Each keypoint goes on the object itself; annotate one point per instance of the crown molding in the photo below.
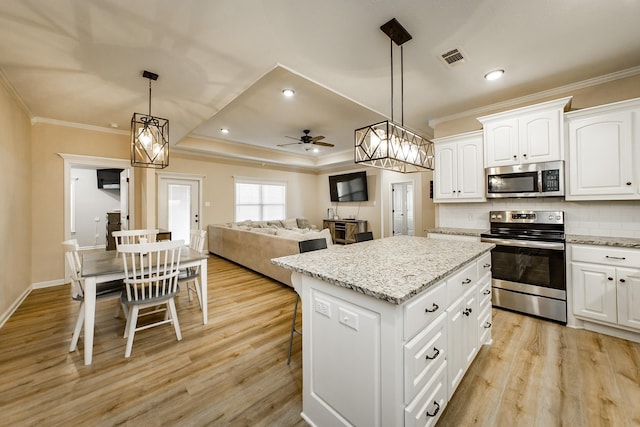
(56, 122)
(4, 81)
(629, 72)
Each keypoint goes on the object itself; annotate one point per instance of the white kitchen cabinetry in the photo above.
(370, 362)
(604, 152)
(531, 134)
(459, 173)
(606, 285)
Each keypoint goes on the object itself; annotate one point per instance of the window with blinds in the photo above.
(260, 200)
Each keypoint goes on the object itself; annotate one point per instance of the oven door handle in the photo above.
(554, 246)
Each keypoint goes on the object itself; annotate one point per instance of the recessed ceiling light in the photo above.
(224, 130)
(315, 150)
(288, 92)
(494, 75)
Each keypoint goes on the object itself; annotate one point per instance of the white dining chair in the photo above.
(151, 279)
(104, 291)
(130, 237)
(190, 276)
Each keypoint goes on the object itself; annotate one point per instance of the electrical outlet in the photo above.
(348, 318)
(323, 308)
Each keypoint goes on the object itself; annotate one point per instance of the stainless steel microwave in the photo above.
(530, 180)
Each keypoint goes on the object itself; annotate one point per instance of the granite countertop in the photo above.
(475, 232)
(392, 269)
(620, 242)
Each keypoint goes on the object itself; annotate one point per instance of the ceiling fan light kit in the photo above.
(149, 136)
(389, 145)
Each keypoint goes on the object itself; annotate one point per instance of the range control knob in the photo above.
(558, 217)
(550, 217)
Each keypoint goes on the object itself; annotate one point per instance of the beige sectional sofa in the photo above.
(253, 244)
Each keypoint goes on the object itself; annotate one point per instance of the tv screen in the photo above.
(349, 187)
(109, 179)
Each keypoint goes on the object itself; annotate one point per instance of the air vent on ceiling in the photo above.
(452, 57)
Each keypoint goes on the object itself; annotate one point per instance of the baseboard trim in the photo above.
(48, 284)
(7, 314)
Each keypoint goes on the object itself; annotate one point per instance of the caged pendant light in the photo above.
(149, 136)
(389, 145)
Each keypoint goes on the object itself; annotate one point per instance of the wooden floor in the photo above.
(233, 371)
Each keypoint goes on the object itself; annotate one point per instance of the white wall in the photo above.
(92, 202)
(607, 218)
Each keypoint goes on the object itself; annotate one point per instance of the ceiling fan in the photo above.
(308, 139)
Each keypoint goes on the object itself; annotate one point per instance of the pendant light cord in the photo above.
(149, 97)
(391, 46)
(401, 82)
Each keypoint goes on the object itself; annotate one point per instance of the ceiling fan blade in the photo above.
(297, 139)
(324, 144)
(317, 138)
(284, 145)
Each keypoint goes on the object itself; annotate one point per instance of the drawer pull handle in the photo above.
(437, 352)
(487, 292)
(429, 414)
(622, 280)
(486, 265)
(615, 257)
(487, 325)
(609, 278)
(466, 281)
(433, 308)
(467, 311)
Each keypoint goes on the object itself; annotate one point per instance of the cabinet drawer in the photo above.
(485, 324)
(484, 293)
(426, 408)
(424, 309)
(484, 265)
(606, 255)
(461, 281)
(423, 355)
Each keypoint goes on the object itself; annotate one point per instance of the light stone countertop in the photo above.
(392, 269)
(475, 232)
(620, 242)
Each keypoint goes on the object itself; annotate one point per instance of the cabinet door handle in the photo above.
(487, 292)
(433, 308)
(622, 280)
(487, 266)
(524, 155)
(467, 311)
(437, 352)
(515, 157)
(466, 281)
(629, 183)
(487, 325)
(615, 257)
(435, 412)
(609, 278)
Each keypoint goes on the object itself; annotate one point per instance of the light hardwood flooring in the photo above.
(233, 370)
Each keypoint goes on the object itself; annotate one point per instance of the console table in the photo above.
(343, 231)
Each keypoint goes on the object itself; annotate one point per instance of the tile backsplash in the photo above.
(594, 218)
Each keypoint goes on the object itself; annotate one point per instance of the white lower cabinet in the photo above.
(369, 362)
(606, 285)
(462, 325)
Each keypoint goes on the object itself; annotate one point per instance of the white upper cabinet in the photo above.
(525, 135)
(459, 173)
(604, 152)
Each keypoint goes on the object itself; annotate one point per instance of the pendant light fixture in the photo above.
(149, 136)
(389, 145)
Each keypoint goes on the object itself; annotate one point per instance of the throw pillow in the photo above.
(289, 223)
(303, 223)
(275, 223)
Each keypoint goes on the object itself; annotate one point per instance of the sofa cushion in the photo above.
(275, 222)
(265, 230)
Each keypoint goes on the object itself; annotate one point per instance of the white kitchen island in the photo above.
(390, 326)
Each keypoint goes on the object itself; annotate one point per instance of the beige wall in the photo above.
(592, 96)
(15, 201)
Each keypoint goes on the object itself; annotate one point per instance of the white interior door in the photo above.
(124, 199)
(179, 206)
(402, 209)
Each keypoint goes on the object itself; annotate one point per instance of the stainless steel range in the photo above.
(528, 262)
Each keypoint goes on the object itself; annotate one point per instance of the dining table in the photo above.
(100, 267)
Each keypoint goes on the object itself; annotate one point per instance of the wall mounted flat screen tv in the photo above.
(349, 187)
(109, 179)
